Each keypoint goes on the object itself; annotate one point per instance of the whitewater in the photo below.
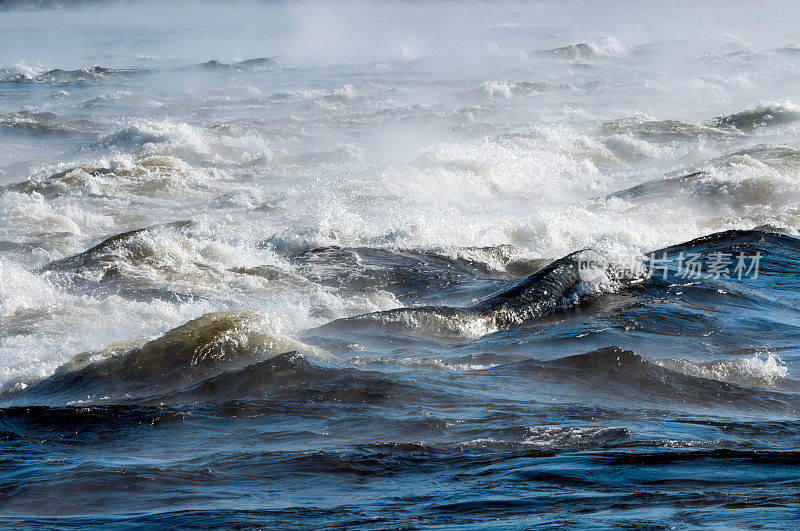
(324, 263)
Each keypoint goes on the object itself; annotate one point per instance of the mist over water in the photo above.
(338, 240)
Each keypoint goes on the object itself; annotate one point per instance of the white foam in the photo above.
(22, 69)
(759, 370)
(424, 363)
(23, 291)
(414, 125)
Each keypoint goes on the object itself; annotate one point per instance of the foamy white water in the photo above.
(495, 132)
(399, 264)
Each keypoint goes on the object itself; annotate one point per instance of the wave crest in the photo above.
(148, 176)
(562, 283)
(760, 116)
(200, 349)
(767, 371)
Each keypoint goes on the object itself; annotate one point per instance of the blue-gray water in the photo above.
(315, 264)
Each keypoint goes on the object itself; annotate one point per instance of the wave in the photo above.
(591, 278)
(142, 133)
(196, 351)
(290, 380)
(147, 177)
(633, 136)
(503, 89)
(35, 301)
(756, 371)
(232, 362)
(765, 115)
(191, 143)
(168, 262)
(471, 362)
(56, 75)
(114, 99)
(761, 238)
(179, 262)
(561, 438)
(45, 123)
(630, 138)
(71, 422)
(258, 63)
(24, 73)
(613, 374)
(667, 130)
(415, 274)
(583, 50)
(762, 175)
(129, 245)
(560, 284)
(666, 186)
(218, 345)
(779, 258)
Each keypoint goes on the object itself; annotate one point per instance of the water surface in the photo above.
(314, 264)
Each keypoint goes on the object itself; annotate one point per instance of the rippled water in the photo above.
(318, 264)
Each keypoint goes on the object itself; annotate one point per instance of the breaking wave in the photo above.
(618, 374)
(147, 176)
(766, 371)
(56, 75)
(746, 181)
(198, 350)
(26, 73)
(766, 115)
(584, 50)
(560, 284)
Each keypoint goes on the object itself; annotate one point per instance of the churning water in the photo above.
(399, 264)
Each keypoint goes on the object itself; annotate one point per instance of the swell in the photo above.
(193, 352)
(753, 118)
(728, 127)
(582, 51)
(101, 73)
(58, 75)
(146, 177)
(89, 422)
(557, 285)
(221, 378)
(758, 175)
(290, 378)
(668, 130)
(780, 254)
(164, 262)
(202, 357)
(46, 123)
(414, 276)
(140, 264)
(615, 375)
(115, 264)
(257, 63)
(104, 254)
(651, 299)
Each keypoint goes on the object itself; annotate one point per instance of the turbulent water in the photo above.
(325, 264)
